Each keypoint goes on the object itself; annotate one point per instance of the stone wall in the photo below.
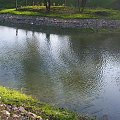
(70, 23)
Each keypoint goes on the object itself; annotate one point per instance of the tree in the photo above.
(83, 4)
(47, 4)
(33, 3)
(16, 4)
(65, 2)
(78, 1)
(26, 2)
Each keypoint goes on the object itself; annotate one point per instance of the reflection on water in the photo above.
(75, 71)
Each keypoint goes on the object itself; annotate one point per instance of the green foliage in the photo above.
(71, 3)
(14, 97)
(101, 3)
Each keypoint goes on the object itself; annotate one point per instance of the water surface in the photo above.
(73, 70)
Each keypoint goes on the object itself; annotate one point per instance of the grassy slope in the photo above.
(64, 12)
(8, 96)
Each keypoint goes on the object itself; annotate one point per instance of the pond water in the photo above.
(73, 70)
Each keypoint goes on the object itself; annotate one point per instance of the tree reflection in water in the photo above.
(69, 69)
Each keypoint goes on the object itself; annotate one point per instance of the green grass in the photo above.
(13, 97)
(64, 12)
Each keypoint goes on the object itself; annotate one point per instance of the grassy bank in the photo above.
(12, 97)
(64, 12)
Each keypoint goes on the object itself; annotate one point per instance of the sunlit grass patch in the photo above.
(13, 97)
(64, 12)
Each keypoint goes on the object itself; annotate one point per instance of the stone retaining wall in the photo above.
(70, 23)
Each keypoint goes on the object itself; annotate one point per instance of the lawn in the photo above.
(65, 12)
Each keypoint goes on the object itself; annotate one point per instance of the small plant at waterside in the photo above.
(14, 104)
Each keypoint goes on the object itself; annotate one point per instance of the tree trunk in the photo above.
(16, 4)
(33, 3)
(26, 2)
(65, 3)
(49, 4)
(45, 3)
(79, 5)
(83, 4)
